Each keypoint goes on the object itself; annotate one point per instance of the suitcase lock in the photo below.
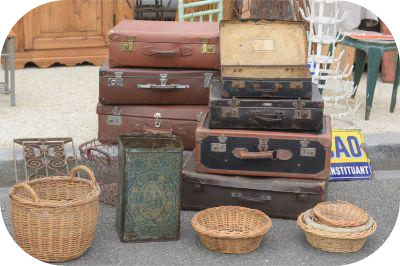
(200, 187)
(157, 121)
(302, 197)
(206, 47)
(115, 119)
(221, 146)
(117, 81)
(305, 151)
(232, 110)
(128, 46)
(300, 112)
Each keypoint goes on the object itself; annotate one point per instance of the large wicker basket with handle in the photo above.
(231, 229)
(54, 218)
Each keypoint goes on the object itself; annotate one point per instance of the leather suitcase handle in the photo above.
(165, 131)
(244, 154)
(270, 117)
(277, 87)
(163, 87)
(152, 51)
(240, 197)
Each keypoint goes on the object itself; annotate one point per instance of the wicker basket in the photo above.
(54, 218)
(103, 160)
(340, 213)
(334, 242)
(231, 229)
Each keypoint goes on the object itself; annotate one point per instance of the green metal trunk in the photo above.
(148, 204)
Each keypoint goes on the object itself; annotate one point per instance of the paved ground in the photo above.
(284, 244)
(61, 101)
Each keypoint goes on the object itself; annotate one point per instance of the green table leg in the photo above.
(395, 86)
(374, 61)
(359, 68)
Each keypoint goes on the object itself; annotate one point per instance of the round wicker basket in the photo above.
(231, 229)
(340, 213)
(334, 242)
(54, 218)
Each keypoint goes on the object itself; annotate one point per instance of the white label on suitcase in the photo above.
(263, 45)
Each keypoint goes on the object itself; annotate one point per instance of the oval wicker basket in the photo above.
(340, 213)
(334, 242)
(54, 218)
(231, 229)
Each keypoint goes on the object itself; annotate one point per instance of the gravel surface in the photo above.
(61, 101)
(284, 244)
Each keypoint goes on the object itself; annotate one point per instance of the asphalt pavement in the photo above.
(284, 244)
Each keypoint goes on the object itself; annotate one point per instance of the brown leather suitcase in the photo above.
(139, 43)
(154, 85)
(180, 120)
(291, 154)
(277, 197)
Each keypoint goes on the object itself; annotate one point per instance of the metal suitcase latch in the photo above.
(305, 151)
(200, 187)
(115, 119)
(207, 80)
(300, 112)
(128, 46)
(199, 116)
(232, 110)
(302, 197)
(220, 146)
(118, 81)
(206, 47)
(157, 120)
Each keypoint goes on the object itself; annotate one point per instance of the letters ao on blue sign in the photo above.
(354, 148)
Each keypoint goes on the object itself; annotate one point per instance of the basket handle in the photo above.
(85, 169)
(89, 153)
(27, 188)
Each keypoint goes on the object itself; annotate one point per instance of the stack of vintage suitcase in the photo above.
(265, 143)
(157, 78)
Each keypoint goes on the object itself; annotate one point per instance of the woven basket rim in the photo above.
(313, 231)
(57, 204)
(231, 235)
(361, 215)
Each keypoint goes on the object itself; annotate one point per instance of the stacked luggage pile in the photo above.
(157, 78)
(265, 143)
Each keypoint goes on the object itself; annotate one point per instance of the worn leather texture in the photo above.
(277, 197)
(169, 44)
(265, 114)
(294, 154)
(180, 120)
(154, 85)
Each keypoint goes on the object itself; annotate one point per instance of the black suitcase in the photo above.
(264, 59)
(294, 154)
(265, 114)
(277, 197)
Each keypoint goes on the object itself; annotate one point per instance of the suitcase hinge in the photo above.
(128, 46)
(233, 110)
(157, 121)
(305, 151)
(221, 146)
(206, 47)
(300, 112)
(207, 80)
(117, 81)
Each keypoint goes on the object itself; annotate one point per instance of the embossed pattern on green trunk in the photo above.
(150, 169)
(152, 209)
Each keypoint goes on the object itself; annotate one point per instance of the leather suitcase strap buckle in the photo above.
(244, 154)
(153, 51)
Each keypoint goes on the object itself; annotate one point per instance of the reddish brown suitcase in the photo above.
(154, 85)
(139, 43)
(277, 197)
(291, 154)
(180, 120)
